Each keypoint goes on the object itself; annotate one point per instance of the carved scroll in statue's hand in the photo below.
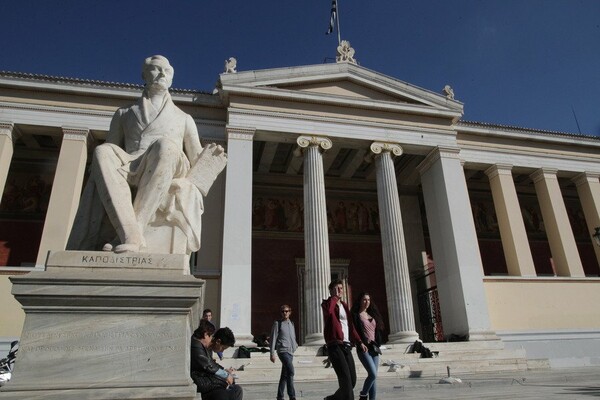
(210, 163)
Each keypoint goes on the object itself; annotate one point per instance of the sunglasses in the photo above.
(286, 311)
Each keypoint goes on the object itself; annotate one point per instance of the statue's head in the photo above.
(157, 71)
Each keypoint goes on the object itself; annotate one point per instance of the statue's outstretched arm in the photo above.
(191, 141)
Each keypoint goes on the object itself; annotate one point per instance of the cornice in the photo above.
(341, 101)
(333, 120)
(508, 132)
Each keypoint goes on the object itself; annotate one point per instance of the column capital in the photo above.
(321, 141)
(437, 154)
(499, 169)
(74, 133)
(383, 147)
(237, 133)
(8, 129)
(543, 173)
(585, 177)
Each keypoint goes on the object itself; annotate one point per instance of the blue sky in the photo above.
(527, 63)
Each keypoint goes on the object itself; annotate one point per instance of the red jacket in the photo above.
(333, 327)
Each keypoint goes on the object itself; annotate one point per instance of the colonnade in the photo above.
(451, 227)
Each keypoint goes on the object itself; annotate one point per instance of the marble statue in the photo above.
(151, 171)
(449, 92)
(230, 65)
(345, 52)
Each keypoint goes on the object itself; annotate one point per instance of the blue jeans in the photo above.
(287, 376)
(371, 364)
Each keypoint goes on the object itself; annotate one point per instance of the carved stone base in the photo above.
(119, 330)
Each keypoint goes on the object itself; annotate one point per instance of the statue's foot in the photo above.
(107, 247)
(127, 248)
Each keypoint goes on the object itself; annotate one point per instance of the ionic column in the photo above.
(397, 277)
(556, 221)
(66, 191)
(236, 275)
(8, 137)
(588, 188)
(459, 270)
(519, 261)
(316, 237)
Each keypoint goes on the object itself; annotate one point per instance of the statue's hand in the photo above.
(209, 164)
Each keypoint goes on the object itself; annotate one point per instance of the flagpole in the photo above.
(337, 6)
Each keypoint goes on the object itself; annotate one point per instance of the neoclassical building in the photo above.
(459, 230)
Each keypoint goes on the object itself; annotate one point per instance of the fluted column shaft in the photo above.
(316, 237)
(7, 139)
(397, 278)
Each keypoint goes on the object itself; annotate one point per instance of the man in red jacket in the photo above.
(339, 337)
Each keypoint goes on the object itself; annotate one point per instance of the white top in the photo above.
(344, 322)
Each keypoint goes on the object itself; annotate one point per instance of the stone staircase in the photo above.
(459, 357)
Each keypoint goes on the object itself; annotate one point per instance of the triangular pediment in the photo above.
(345, 83)
(346, 88)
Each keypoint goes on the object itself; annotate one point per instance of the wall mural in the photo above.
(286, 214)
(486, 222)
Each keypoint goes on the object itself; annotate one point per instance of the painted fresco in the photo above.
(286, 214)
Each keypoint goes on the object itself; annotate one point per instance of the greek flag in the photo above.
(333, 17)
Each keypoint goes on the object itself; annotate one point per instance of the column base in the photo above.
(244, 340)
(403, 337)
(314, 339)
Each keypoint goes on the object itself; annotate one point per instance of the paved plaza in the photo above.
(578, 383)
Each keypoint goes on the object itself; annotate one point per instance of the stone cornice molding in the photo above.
(9, 130)
(585, 177)
(437, 154)
(386, 147)
(543, 173)
(498, 169)
(317, 141)
(239, 133)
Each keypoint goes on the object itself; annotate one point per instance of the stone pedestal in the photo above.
(106, 326)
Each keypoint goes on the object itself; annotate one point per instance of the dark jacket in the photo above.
(333, 327)
(203, 369)
(360, 329)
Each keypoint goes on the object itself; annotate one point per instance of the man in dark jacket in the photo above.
(212, 380)
(340, 336)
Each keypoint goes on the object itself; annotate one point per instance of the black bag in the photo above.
(374, 349)
(243, 352)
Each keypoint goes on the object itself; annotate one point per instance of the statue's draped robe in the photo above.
(182, 206)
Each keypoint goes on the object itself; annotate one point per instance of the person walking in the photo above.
(340, 335)
(369, 325)
(283, 342)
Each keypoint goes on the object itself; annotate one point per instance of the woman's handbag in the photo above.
(374, 349)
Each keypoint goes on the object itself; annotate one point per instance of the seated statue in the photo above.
(152, 170)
